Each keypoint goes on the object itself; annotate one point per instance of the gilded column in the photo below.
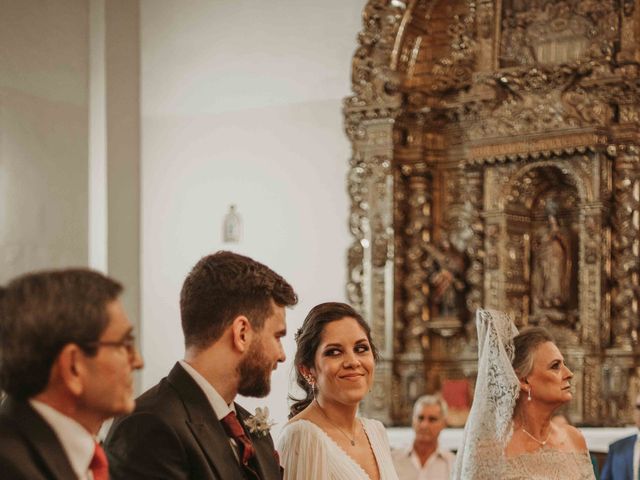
(625, 260)
(415, 284)
(472, 195)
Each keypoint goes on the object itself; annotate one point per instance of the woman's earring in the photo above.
(529, 395)
(312, 383)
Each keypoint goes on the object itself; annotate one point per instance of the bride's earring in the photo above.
(312, 383)
(529, 395)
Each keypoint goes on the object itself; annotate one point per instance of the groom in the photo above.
(188, 426)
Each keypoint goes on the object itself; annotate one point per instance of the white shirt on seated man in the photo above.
(424, 460)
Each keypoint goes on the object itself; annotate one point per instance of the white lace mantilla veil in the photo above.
(488, 427)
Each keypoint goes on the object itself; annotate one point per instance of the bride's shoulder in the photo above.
(372, 423)
(300, 420)
(296, 430)
(373, 426)
(296, 424)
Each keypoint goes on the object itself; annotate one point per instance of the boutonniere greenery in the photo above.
(259, 423)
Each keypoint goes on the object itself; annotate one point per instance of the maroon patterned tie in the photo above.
(99, 466)
(234, 430)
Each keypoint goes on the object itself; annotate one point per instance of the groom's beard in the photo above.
(255, 372)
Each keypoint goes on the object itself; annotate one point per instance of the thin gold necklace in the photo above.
(351, 440)
(541, 442)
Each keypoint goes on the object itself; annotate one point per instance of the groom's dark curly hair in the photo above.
(224, 285)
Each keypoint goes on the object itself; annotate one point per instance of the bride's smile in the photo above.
(325, 438)
(344, 362)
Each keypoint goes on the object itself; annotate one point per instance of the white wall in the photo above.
(43, 135)
(69, 138)
(241, 104)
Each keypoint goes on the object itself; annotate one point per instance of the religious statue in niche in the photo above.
(551, 282)
(446, 266)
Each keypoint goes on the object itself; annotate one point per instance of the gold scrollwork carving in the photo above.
(496, 163)
(557, 32)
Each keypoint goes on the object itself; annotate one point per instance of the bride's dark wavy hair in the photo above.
(308, 340)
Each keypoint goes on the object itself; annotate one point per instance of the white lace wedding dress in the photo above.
(489, 426)
(308, 453)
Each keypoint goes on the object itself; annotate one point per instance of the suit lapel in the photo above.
(265, 453)
(41, 437)
(629, 447)
(204, 425)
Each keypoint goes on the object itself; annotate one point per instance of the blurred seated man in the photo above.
(424, 460)
(67, 354)
(623, 459)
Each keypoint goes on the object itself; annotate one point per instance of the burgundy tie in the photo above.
(99, 466)
(234, 430)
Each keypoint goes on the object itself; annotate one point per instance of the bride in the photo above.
(325, 439)
(522, 380)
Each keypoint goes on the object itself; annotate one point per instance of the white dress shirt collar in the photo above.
(76, 441)
(438, 453)
(438, 465)
(220, 407)
(410, 452)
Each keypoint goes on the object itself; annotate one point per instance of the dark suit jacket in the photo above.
(29, 448)
(619, 464)
(174, 434)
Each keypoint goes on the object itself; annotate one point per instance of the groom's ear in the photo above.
(241, 333)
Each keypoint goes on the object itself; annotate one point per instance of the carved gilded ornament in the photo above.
(496, 163)
(554, 32)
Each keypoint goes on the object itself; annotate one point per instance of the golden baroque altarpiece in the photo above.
(496, 163)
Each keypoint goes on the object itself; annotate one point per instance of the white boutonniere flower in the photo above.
(259, 423)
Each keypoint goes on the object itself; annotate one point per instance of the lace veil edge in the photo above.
(488, 427)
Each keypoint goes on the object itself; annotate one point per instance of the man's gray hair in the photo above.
(427, 400)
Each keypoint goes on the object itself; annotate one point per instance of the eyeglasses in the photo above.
(128, 343)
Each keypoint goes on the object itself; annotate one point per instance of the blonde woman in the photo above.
(522, 380)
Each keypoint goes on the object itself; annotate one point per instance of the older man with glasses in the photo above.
(425, 460)
(67, 354)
